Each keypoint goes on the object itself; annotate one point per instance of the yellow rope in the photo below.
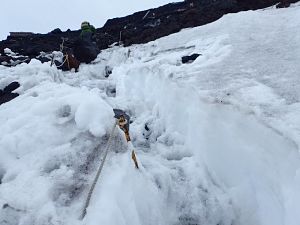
(62, 63)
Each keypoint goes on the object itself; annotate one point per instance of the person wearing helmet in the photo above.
(85, 48)
(87, 31)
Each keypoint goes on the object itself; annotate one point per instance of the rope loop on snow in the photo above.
(61, 46)
(62, 63)
(66, 60)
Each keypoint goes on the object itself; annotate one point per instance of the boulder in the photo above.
(7, 97)
(189, 58)
(11, 87)
(6, 94)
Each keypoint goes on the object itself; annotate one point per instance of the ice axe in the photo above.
(123, 122)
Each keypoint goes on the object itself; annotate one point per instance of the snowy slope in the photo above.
(218, 140)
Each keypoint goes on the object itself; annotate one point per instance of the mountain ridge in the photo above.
(140, 27)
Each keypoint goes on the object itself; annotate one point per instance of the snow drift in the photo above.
(217, 139)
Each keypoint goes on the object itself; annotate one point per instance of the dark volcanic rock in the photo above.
(6, 95)
(140, 27)
(11, 87)
(43, 59)
(283, 4)
(56, 31)
(7, 60)
(189, 58)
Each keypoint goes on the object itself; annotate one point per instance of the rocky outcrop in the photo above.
(283, 4)
(7, 93)
(140, 27)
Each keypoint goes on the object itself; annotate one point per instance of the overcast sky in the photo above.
(42, 16)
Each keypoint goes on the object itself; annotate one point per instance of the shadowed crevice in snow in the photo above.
(2, 174)
(86, 152)
(9, 215)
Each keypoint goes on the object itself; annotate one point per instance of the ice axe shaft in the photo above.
(133, 156)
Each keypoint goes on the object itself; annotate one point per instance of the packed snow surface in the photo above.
(217, 139)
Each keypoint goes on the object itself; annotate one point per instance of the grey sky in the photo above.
(42, 16)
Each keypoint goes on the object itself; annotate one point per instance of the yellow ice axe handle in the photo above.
(133, 156)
